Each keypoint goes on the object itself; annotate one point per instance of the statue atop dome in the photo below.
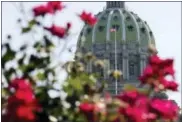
(115, 4)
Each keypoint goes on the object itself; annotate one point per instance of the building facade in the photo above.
(121, 37)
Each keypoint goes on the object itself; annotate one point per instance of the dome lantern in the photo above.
(115, 4)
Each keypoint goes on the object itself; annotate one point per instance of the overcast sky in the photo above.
(164, 18)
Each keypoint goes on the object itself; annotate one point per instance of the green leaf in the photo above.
(41, 76)
(9, 55)
(48, 42)
(20, 61)
(37, 45)
(26, 29)
(9, 73)
(39, 62)
(27, 68)
(76, 83)
(32, 23)
(48, 71)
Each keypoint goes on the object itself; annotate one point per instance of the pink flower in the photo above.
(88, 18)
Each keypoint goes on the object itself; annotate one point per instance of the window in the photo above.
(142, 30)
(115, 18)
(83, 49)
(115, 27)
(81, 34)
(150, 33)
(103, 18)
(138, 19)
(128, 18)
(99, 47)
(107, 12)
(131, 69)
(130, 27)
(89, 30)
(99, 55)
(101, 28)
(124, 11)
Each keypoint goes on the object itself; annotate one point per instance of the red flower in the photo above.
(59, 31)
(88, 110)
(26, 97)
(148, 72)
(128, 96)
(167, 66)
(136, 114)
(55, 6)
(41, 10)
(87, 107)
(20, 84)
(88, 18)
(68, 25)
(26, 112)
(166, 108)
(171, 85)
(154, 59)
(51, 7)
(155, 72)
(22, 104)
(138, 110)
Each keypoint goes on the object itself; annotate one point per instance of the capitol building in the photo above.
(120, 37)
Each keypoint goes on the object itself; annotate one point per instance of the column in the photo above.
(125, 66)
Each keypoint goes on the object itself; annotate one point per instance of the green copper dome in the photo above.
(130, 28)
